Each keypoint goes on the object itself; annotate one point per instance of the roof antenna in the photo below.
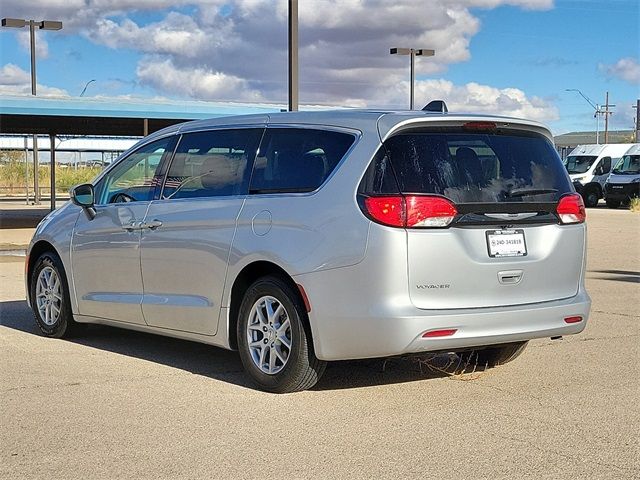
(436, 106)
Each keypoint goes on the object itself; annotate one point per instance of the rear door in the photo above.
(602, 171)
(186, 244)
(505, 246)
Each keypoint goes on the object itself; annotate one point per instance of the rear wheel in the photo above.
(613, 203)
(492, 356)
(591, 197)
(274, 346)
(49, 294)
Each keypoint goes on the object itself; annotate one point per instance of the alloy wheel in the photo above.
(49, 295)
(269, 335)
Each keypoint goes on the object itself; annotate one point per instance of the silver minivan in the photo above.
(307, 237)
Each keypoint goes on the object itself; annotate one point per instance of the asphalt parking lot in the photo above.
(118, 404)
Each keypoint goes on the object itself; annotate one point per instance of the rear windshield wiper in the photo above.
(525, 192)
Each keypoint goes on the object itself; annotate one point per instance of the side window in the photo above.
(136, 177)
(212, 163)
(297, 159)
(605, 165)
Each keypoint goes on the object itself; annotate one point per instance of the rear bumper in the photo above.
(351, 330)
(398, 333)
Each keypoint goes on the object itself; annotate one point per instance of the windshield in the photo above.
(471, 167)
(579, 163)
(628, 165)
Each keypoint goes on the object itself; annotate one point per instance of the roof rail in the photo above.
(436, 106)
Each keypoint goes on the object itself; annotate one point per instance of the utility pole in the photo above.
(41, 25)
(412, 52)
(293, 55)
(637, 107)
(606, 113)
(36, 168)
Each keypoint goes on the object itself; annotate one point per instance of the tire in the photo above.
(49, 294)
(493, 356)
(278, 356)
(613, 203)
(591, 197)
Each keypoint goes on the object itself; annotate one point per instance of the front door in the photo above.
(186, 247)
(105, 250)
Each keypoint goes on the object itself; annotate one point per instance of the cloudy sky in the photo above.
(513, 57)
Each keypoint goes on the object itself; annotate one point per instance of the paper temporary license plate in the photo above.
(506, 243)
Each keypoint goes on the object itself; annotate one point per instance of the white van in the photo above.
(589, 167)
(624, 182)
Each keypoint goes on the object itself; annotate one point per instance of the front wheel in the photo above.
(275, 349)
(49, 295)
(591, 198)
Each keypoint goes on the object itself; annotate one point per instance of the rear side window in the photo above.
(469, 167)
(210, 164)
(297, 159)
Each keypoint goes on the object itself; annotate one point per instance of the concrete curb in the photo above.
(12, 247)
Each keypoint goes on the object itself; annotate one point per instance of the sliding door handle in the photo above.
(131, 226)
(152, 224)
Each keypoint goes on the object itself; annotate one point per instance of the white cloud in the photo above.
(177, 35)
(11, 74)
(627, 69)
(197, 83)
(16, 81)
(477, 98)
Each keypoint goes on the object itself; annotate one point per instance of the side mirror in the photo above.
(599, 170)
(84, 196)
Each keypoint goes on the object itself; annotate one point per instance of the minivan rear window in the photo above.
(470, 167)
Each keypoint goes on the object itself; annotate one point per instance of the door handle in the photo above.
(152, 225)
(131, 226)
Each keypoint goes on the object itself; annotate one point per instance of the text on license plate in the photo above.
(506, 243)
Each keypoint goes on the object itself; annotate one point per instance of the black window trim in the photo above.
(173, 136)
(357, 135)
(250, 161)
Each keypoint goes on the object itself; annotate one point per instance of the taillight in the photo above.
(429, 211)
(571, 209)
(411, 211)
(386, 210)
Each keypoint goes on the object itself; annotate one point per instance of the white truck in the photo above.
(624, 182)
(589, 167)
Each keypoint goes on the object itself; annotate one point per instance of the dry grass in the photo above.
(12, 177)
(634, 205)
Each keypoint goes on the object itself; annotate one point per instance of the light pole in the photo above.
(42, 25)
(413, 52)
(595, 106)
(86, 85)
(293, 55)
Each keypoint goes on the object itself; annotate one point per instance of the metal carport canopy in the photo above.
(113, 117)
